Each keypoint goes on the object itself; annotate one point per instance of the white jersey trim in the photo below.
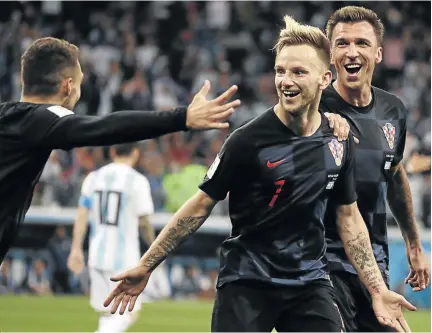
(60, 111)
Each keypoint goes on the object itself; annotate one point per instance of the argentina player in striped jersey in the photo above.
(116, 201)
(43, 120)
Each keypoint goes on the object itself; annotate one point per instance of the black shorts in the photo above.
(8, 232)
(257, 307)
(355, 304)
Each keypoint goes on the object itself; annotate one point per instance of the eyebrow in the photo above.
(342, 39)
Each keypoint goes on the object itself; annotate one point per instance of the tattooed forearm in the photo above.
(359, 251)
(355, 238)
(176, 235)
(372, 280)
(169, 242)
(154, 258)
(171, 239)
(190, 224)
(400, 202)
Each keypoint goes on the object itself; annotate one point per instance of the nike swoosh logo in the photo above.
(274, 164)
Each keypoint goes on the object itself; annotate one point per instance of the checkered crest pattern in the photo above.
(389, 132)
(336, 149)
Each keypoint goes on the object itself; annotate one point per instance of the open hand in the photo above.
(205, 114)
(388, 310)
(131, 284)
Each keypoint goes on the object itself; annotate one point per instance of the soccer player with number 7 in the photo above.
(279, 169)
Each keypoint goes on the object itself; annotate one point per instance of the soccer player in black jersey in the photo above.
(43, 121)
(378, 120)
(279, 170)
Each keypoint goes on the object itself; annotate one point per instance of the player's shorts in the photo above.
(257, 307)
(101, 286)
(355, 304)
(8, 233)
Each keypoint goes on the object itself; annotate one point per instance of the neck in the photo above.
(306, 123)
(41, 100)
(356, 97)
(124, 160)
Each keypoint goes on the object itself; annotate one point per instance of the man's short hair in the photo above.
(125, 149)
(353, 14)
(45, 64)
(297, 34)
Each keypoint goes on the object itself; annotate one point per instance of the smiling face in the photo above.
(300, 76)
(355, 53)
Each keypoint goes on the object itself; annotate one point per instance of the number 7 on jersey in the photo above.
(279, 184)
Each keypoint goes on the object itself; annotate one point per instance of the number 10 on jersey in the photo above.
(109, 207)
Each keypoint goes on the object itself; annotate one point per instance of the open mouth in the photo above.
(353, 68)
(290, 94)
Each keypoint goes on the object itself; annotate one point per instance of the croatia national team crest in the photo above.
(389, 132)
(336, 149)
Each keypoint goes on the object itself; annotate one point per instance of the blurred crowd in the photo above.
(156, 55)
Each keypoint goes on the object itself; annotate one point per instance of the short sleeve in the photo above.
(86, 199)
(400, 144)
(143, 198)
(225, 168)
(345, 187)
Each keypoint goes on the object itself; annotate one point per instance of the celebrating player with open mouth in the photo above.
(378, 119)
(279, 170)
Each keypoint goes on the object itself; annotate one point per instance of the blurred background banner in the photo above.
(155, 56)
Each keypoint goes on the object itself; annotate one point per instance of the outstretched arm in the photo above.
(184, 223)
(58, 128)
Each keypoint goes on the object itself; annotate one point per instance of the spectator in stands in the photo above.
(154, 169)
(6, 283)
(59, 247)
(38, 278)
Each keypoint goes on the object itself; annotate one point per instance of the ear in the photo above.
(67, 86)
(136, 153)
(379, 56)
(325, 80)
(112, 153)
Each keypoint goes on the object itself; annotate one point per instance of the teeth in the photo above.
(353, 66)
(290, 93)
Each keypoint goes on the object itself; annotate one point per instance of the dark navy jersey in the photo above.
(381, 130)
(278, 186)
(29, 132)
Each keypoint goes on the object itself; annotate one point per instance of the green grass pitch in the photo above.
(73, 314)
